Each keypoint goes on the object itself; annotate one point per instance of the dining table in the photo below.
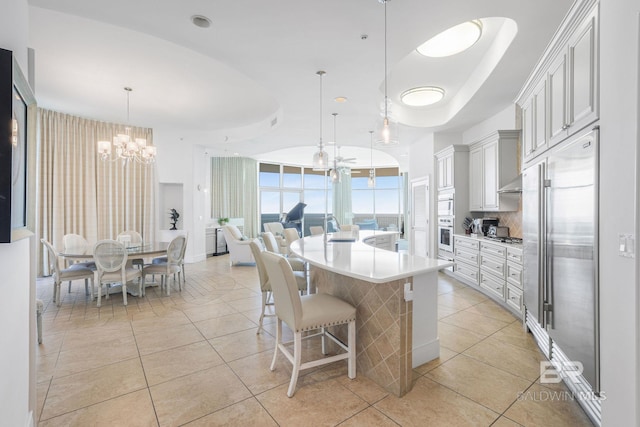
(135, 251)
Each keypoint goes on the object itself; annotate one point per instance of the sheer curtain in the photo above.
(342, 197)
(78, 193)
(234, 183)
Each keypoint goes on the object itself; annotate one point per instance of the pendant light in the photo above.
(386, 135)
(321, 158)
(371, 182)
(335, 174)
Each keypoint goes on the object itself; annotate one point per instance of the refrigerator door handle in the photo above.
(542, 251)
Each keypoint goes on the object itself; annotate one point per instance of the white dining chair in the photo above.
(62, 275)
(174, 253)
(164, 259)
(75, 242)
(111, 267)
(304, 315)
(131, 238)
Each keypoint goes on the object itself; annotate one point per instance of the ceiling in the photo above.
(248, 83)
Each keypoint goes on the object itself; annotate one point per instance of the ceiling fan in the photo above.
(340, 159)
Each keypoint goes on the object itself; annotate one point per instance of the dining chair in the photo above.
(111, 267)
(174, 253)
(305, 314)
(278, 231)
(131, 238)
(75, 241)
(316, 229)
(164, 259)
(265, 286)
(62, 275)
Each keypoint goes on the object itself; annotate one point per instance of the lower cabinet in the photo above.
(493, 268)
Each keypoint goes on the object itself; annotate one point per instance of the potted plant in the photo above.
(223, 221)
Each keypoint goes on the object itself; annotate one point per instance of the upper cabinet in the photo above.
(493, 163)
(451, 165)
(561, 96)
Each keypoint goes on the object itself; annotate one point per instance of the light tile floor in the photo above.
(193, 358)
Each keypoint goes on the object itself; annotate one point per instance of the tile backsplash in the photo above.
(513, 220)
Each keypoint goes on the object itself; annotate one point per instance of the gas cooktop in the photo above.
(515, 240)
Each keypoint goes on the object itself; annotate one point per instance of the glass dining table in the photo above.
(144, 250)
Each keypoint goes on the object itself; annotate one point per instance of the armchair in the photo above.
(239, 250)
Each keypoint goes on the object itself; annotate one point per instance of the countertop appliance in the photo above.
(498, 231)
(560, 229)
(481, 225)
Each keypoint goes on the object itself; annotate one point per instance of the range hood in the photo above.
(514, 186)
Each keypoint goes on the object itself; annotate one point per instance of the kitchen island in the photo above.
(395, 295)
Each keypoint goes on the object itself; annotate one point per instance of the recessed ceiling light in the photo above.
(422, 96)
(201, 21)
(340, 99)
(454, 40)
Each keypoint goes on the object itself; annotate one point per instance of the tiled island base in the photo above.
(392, 335)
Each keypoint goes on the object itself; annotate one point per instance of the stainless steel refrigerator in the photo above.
(560, 236)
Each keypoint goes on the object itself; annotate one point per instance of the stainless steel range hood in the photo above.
(514, 186)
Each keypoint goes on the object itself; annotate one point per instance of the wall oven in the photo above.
(445, 237)
(445, 204)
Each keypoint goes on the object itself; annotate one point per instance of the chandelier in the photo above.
(127, 148)
(388, 132)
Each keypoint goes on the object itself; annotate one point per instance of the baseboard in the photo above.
(425, 353)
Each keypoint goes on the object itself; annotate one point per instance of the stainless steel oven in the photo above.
(445, 236)
(445, 204)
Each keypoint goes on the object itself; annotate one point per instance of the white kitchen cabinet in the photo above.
(561, 97)
(452, 164)
(492, 164)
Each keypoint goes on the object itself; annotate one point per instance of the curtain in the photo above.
(234, 183)
(342, 197)
(78, 193)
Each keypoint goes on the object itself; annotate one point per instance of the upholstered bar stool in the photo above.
(307, 313)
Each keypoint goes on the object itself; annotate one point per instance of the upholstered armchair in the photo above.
(238, 245)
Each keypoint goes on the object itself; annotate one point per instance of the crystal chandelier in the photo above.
(126, 147)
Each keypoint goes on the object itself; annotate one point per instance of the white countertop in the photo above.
(361, 261)
(493, 241)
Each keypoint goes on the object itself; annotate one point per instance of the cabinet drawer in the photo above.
(466, 255)
(514, 298)
(491, 284)
(493, 249)
(466, 243)
(515, 255)
(493, 265)
(514, 274)
(468, 272)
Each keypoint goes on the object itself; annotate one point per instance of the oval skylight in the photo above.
(422, 96)
(454, 40)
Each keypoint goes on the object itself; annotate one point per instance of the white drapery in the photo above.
(234, 183)
(78, 193)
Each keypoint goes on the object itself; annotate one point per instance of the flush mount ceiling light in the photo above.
(422, 96)
(340, 99)
(201, 21)
(454, 40)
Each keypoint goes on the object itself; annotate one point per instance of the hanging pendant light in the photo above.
(371, 182)
(320, 158)
(126, 147)
(335, 173)
(388, 132)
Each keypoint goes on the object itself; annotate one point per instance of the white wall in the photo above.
(619, 111)
(17, 314)
(504, 120)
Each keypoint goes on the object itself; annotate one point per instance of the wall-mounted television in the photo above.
(17, 151)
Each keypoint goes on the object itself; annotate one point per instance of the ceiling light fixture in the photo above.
(340, 99)
(371, 182)
(335, 174)
(454, 40)
(387, 134)
(320, 158)
(126, 147)
(422, 96)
